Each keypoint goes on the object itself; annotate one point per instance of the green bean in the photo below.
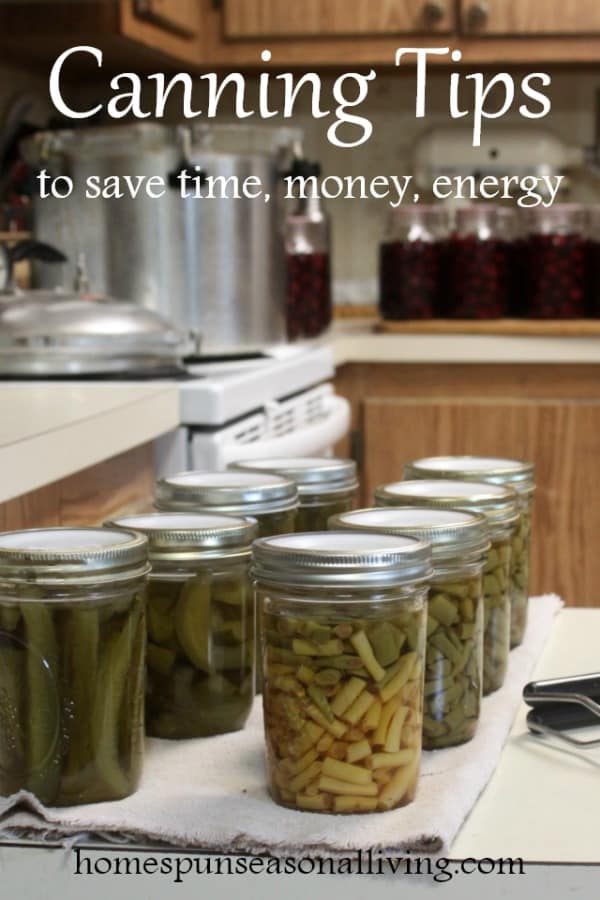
(496, 643)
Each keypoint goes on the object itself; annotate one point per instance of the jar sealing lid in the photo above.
(342, 558)
(226, 492)
(500, 505)
(59, 555)
(191, 535)
(312, 474)
(512, 472)
(452, 533)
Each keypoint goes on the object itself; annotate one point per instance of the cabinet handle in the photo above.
(478, 14)
(434, 11)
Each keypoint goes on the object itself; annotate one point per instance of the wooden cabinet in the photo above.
(550, 415)
(532, 18)
(320, 18)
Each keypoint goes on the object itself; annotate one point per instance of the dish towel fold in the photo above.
(210, 793)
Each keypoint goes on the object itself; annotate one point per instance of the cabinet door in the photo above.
(180, 16)
(530, 17)
(329, 18)
(561, 437)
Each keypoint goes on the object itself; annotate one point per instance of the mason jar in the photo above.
(556, 257)
(343, 624)
(200, 654)
(72, 647)
(270, 499)
(326, 486)
(513, 473)
(454, 659)
(500, 507)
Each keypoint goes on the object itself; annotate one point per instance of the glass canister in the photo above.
(512, 473)
(556, 261)
(200, 654)
(72, 647)
(343, 624)
(410, 262)
(326, 486)
(270, 499)
(454, 659)
(478, 263)
(500, 507)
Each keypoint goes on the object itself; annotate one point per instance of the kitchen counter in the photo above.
(49, 430)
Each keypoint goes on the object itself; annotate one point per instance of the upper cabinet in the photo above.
(180, 16)
(531, 18)
(335, 18)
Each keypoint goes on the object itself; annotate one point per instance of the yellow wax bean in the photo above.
(345, 771)
(393, 792)
(315, 732)
(392, 740)
(387, 712)
(295, 766)
(354, 804)
(303, 674)
(359, 708)
(338, 750)
(312, 789)
(361, 644)
(334, 647)
(300, 781)
(358, 751)
(382, 776)
(385, 760)
(372, 717)
(335, 786)
(325, 743)
(347, 695)
(317, 803)
(336, 728)
(399, 680)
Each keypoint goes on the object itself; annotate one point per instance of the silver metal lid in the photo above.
(191, 536)
(226, 492)
(500, 505)
(312, 474)
(342, 558)
(78, 555)
(512, 472)
(452, 533)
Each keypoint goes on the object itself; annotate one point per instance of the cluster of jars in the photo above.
(488, 262)
(378, 630)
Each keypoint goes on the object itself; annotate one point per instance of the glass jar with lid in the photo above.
(72, 647)
(343, 625)
(454, 659)
(593, 262)
(270, 499)
(478, 263)
(410, 262)
(326, 486)
(556, 261)
(513, 473)
(200, 654)
(500, 507)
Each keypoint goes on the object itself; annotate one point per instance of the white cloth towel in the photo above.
(210, 793)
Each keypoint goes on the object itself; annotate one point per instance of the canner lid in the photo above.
(190, 534)
(229, 492)
(312, 474)
(515, 473)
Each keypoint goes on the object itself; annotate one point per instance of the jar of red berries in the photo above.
(410, 262)
(593, 263)
(308, 291)
(478, 263)
(555, 266)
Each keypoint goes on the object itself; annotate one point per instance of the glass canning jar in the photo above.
(593, 262)
(555, 264)
(72, 647)
(343, 624)
(500, 507)
(326, 485)
(270, 499)
(200, 654)
(478, 263)
(512, 473)
(308, 270)
(454, 660)
(410, 262)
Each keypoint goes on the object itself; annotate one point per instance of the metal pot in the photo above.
(45, 333)
(213, 264)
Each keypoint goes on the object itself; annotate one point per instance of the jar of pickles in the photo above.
(410, 262)
(72, 647)
(454, 659)
(500, 507)
(326, 486)
(200, 654)
(510, 472)
(343, 624)
(270, 499)
(556, 251)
